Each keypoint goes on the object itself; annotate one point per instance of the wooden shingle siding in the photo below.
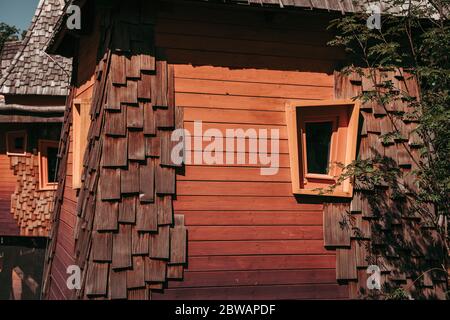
(248, 236)
(30, 206)
(140, 217)
(336, 225)
(124, 211)
(61, 251)
(25, 207)
(386, 230)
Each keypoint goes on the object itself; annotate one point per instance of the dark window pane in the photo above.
(318, 141)
(52, 154)
(19, 143)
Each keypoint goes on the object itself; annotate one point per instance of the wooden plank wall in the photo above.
(30, 206)
(248, 236)
(64, 249)
(21, 203)
(65, 244)
(8, 226)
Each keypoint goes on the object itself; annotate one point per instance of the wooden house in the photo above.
(141, 225)
(33, 89)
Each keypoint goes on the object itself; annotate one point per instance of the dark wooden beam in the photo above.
(6, 118)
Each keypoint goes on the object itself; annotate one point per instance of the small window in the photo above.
(318, 143)
(16, 142)
(321, 136)
(52, 160)
(48, 159)
(81, 122)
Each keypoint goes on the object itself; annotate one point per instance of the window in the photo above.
(318, 142)
(16, 142)
(81, 121)
(48, 158)
(321, 136)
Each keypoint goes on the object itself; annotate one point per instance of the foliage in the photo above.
(414, 36)
(7, 33)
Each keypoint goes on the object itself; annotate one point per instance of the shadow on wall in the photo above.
(245, 38)
(389, 229)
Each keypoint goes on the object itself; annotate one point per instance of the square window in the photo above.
(321, 136)
(19, 143)
(48, 160)
(16, 142)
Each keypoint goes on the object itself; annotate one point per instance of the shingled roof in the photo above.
(31, 71)
(9, 51)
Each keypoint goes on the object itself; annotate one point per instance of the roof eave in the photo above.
(61, 43)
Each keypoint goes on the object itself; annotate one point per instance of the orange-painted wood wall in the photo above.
(248, 236)
(64, 251)
(8, 225)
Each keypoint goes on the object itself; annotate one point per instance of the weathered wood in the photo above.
(144, 87)
(130, 95)
(101, 246)
(118, 284)
(115, 122)
(337, 227)
(127, 210)
(166, 148)
(109, 184)
(132, 67)
(345, 264)
(117, 70)
(165, 209)
(140, 242)
(114, 152)
(155, 270)
(159, 243)
(159, 84)
(147, 217)
(152, 146)
(129, 178)
(175, 272)
(136, 275)
(165, 180)
(135, 116)
(146, 181)
(106, 214)
(149, 118)
(122, 248)
(136, 145)
(147, 62)
(178, 241)
(97, 279)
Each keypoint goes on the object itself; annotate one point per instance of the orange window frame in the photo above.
(333, 145)
(81, 121)
(344, 115)
(10, 137)
(43, 146)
